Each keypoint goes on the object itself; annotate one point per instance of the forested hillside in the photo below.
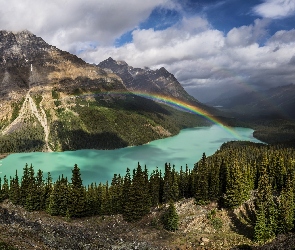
(256, 176)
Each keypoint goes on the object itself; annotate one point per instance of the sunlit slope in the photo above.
(53, 100)
(90, 121)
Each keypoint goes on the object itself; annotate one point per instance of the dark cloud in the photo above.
(210, 46)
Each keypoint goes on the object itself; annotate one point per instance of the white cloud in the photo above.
(69, 24)
(197, 54)
(246, 35)
(275, 9)
(282, 37)
(205, 58)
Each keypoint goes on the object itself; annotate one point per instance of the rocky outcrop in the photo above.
(158, 81)
(27, 61)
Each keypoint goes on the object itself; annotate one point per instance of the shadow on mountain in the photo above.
(11, 144)
(79, 139)
(130, 102)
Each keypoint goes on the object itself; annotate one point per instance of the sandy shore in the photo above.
(3, 156)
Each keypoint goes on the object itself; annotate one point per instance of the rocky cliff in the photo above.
(27, 61)
(158, 81)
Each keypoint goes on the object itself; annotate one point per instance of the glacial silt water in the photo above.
(100, 165)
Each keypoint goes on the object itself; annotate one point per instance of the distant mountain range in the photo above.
(276, 102)
(158, 81)
(53, 100)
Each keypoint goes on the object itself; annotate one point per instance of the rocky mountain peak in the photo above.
(26, 60)
(158, 81)
(20, 48)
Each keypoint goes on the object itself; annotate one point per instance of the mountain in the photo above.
(52, 100)
(275, 102)
(158, 81)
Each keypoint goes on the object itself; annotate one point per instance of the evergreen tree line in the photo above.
(234, 173)
(132, 195)
(243, 170)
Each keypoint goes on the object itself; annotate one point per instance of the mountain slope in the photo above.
(158, 81)
(274, 102)
(52, 100)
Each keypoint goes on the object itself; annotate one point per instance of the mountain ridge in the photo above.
(53, 100)
(278, 102)
(158, 81)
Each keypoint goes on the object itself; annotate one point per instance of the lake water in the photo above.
(100, 165)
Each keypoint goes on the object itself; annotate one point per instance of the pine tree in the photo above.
(77, 201)
(237, 189)
(170, 218)
(167, 183)
(213, 179)
(201, 181)
(25, 182)
(126, 193)
(154, 187)
(53, 207)
(286, 209)
(116, 194)
(106, 202)
(182, 183)
(138, 203)
(265, 205)
(4, 189)
(32, 201)
(64, 197)
(174, 187)
(92, 200)
(39, 191)
(14, 191)
(47, 191)
(260, 229)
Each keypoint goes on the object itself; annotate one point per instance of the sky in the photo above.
(214, 48)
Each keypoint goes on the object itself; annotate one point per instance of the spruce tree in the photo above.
(174, 187)
(92, 200)
(126, 194)
(25, 183)
(167, 184)
(260, 229)
(47, 191)
(286, 209)
(201, 181)
(170, 218)
(32, 201)
(14, 191)
(77, 201)
(106, 202)
(138, 203)
(53, 207)
(237, 189)
(154, 187)
(116, 194)
(4, 189)
(265, 205)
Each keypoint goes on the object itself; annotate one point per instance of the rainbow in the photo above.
(176, 103)
(187, 107)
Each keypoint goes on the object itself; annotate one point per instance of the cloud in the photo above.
(275, 9)
(246, 35)
(200, 56)
(76, 23)
(203, 58)
(282, 37)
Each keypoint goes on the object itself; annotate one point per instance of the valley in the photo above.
(234, 193)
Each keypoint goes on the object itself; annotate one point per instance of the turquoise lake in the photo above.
(100, 165)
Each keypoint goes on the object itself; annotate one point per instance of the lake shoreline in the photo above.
(2, 156)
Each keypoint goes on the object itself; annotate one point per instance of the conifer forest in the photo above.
(239, 171)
